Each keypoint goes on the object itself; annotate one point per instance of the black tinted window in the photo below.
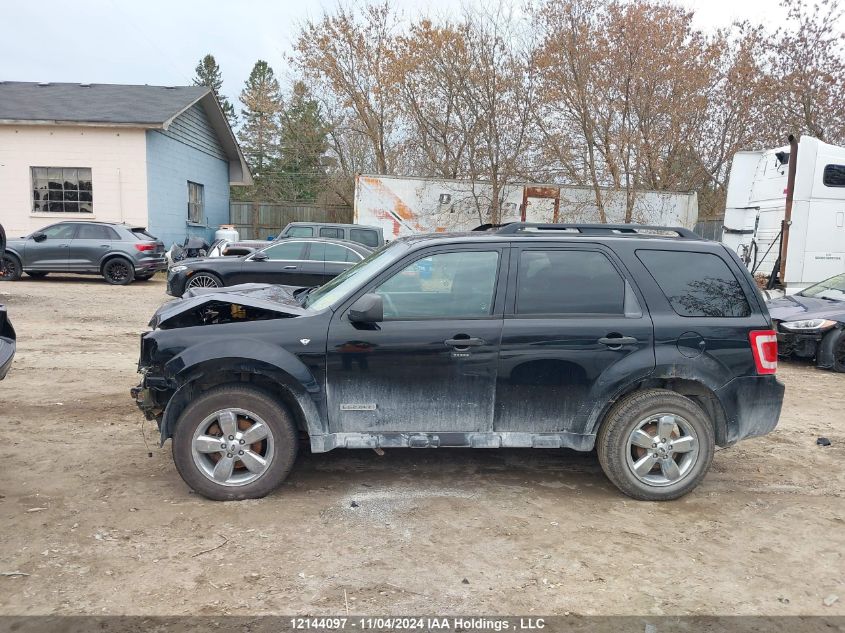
(327, 231)
(95, 232)
(286, 250)
(696, 284)
(834, 176)
(568, 282)
(364, 236)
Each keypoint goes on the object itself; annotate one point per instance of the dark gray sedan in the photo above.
(118, 252)
(290, 261)
(811, 324)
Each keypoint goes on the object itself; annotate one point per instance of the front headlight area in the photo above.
(178, 269)
(808, 326)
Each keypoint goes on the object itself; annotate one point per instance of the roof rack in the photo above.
(633, 230)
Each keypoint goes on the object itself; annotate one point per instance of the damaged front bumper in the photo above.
(151, 395)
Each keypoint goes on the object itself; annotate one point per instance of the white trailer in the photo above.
(403, 206)
(803, 246)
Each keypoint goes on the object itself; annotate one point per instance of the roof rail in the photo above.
(634, 230)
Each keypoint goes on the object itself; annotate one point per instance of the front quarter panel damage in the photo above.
(214, 337)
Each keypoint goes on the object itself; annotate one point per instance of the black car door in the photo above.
(573, 329)
(430, 365)
(285, 264)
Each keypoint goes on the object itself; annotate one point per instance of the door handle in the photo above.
(289, 268)
(464, 342)
(618, 341)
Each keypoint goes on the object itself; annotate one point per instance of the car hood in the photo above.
(265, 296)
(796, 307)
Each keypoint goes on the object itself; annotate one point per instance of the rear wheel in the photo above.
(204, 280)
(36, 275)
(656, 445)
(234, 442)
(118, 272)
(10, 268)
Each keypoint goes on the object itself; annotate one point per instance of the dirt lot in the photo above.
(98, 518)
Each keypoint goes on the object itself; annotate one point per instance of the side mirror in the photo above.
(368, 309)
(39, 237)
(260, 257)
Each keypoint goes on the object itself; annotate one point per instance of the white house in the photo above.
(154, 156)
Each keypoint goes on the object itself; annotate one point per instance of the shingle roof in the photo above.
(95, 103)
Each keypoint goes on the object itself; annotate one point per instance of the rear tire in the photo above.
(243, 413)
(36, 275)
(10, 268)
(118, 271)
(656, 445)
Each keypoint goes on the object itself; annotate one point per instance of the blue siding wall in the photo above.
(189, 150)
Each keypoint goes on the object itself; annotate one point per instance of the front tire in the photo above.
(836, 340)
(204, 280)
(234, 442)
(118, 272)
(656, 445)
(10, 268)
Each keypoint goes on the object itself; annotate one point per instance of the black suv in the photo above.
(647, 343)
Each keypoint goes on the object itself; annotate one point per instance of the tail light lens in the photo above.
(764, 346)
(145, 247)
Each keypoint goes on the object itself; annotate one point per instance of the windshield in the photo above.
(352, 278)
(833, 288)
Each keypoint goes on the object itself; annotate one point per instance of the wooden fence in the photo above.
(259, 220)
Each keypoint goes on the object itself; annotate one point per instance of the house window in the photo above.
(62, 190)
(195, 202)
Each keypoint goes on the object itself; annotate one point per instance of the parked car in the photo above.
(811, 323)
(119, 252)
(301, 262)
(650, 345)
(7, 332)
(370, 236)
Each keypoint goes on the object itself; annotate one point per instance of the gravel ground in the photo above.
(97, 520)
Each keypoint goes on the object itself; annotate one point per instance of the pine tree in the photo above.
(208, 74)
(259, 133)
(303, 145)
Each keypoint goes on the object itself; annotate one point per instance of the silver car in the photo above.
(118, 252)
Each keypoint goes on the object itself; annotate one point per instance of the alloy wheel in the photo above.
(202, 280)
(662, 449)
(232, 447)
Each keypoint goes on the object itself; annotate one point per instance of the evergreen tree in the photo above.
(208, 74)
(303, 145)
(259, 133)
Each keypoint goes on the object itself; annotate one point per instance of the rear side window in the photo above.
(696, 284)
(568, 282)
(300, 231)
(834, 176)
(328, 231)
(364, 236)
(95, 232)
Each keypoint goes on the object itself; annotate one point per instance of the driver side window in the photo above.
(444, 285)
(60, 231)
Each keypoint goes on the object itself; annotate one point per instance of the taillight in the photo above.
(764, 346)
(145, 247)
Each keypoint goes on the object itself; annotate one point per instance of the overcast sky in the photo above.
(159, 42)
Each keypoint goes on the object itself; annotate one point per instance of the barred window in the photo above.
(196, 195)
(62, 190)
